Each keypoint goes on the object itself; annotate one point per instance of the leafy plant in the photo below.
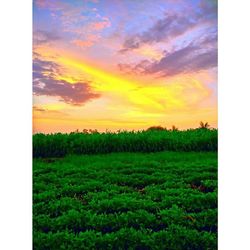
(154, 139)
(204, 125)
(126, 201)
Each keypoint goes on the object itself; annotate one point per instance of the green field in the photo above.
(161, 200)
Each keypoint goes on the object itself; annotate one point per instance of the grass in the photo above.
(163, 200)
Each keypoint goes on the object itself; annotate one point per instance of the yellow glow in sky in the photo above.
(125, 102)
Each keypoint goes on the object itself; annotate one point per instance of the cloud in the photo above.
(208, 10)
(104, 23)
(79, 19)
(136, 69)
(70, 15)
(45, 112)
(89, 33)
(55, 5)
(83, 43)
(186, 60)
(87, 42)
(44, 37)
(196, 56)
(172, 25)
(45, 83)
(38, 109)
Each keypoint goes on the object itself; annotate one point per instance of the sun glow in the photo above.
(94, 67)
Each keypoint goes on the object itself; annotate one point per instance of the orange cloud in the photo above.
(87, 42)
(101, 25)
(83, 43)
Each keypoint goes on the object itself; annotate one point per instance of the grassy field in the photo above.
(164, 200)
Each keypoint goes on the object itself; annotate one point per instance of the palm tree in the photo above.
(204, 125)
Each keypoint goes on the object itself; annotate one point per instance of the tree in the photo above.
(174, 128)
(204, 125)
(156, 128)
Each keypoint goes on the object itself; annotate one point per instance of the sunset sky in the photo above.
(124, 64)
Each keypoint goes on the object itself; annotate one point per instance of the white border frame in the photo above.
(16, 125)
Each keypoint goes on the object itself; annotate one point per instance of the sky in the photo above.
(124, 64)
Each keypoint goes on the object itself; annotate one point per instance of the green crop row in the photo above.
(174, 238)
(164, 200)
(58, 145)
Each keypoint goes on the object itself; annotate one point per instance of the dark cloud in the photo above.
(44, 83)
(173, 25)
(197, 56)
(186, 60)
(44, 37)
